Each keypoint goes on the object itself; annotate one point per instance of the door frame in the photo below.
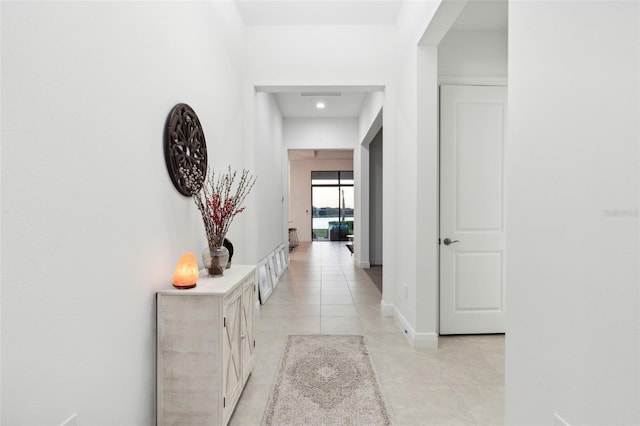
(486, 320)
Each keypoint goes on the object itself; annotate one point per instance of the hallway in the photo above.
(461, 383)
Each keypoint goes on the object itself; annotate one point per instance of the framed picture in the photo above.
(271, 261)
(265, 287)
(278, 263)
(283, 258)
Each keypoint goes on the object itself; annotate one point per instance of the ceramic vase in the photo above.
(215, 259)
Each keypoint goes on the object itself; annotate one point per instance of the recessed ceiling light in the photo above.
(320, 105)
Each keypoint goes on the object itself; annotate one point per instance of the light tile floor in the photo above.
(460, 383)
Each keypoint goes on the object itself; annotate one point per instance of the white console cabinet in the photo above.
(205, 348)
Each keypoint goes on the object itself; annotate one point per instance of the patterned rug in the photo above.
(326, 380)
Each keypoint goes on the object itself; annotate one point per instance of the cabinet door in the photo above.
(231, 351)
(248, 340)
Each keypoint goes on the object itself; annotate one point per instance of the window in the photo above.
(332, 201)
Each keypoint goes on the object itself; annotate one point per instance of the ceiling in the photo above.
(337, 104)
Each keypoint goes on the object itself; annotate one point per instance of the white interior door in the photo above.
(472, 222)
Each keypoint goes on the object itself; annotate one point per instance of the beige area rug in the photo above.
(326, 380)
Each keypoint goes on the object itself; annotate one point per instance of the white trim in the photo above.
(416, 340)
(364, 264)
(71, 421)
(473, 80)
(425, 341)
(385, 309)
(559, 421)
(404, 326)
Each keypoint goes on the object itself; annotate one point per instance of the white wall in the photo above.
(320, 133)
(91, 224)
(375, 200)
(413, 292)
(319, 55)
(300, 190)
(268, 223)
(361, 206)
(572, 342)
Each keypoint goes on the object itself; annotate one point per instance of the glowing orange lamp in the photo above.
(186, 273)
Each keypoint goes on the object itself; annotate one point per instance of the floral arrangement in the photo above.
(216, 200)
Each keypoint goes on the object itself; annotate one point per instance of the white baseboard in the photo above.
(425, 341)
(385, 309)
(403, 325)
(364, 265)
(416, 340)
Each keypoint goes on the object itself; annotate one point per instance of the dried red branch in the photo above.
(217, 201)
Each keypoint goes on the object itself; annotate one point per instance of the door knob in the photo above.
(447, 241)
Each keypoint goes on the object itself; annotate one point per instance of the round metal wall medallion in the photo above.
(184, 147)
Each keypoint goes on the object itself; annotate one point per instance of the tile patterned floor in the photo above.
(460, 383)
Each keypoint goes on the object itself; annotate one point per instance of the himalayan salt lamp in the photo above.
(186, 273)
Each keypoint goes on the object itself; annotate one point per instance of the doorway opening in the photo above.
(332, 205)
(472, 123)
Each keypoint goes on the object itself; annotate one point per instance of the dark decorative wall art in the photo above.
(184, 146)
